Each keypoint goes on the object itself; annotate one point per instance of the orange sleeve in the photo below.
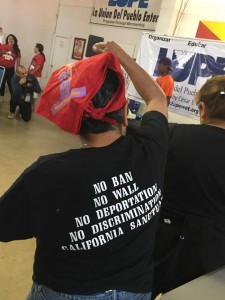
(166, 83)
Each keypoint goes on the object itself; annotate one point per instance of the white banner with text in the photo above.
(193, 62)
(141, 14)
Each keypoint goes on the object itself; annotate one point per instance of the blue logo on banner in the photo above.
(193, 65)
(128, 3)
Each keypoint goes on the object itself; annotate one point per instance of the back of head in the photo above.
(100, 100)
(212, 94)
(86, 96)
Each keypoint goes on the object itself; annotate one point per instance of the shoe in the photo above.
(11, 115)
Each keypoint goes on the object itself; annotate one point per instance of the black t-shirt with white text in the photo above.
(93, 212)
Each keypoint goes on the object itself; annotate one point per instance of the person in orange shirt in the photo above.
(165, 80)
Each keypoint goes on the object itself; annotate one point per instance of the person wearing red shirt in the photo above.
(37, 64)
(38, 61)
(165, 81)
(10, 56)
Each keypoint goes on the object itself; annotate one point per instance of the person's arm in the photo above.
(17, 62)
(32, 71)
(167, 85)
(168, 100)
(145, 85)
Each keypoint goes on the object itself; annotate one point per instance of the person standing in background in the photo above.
(165, 80)
(37, 65)
(10, 56)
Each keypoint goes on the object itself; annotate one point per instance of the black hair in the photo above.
(15, 45)
(41, 49)
(103, 96)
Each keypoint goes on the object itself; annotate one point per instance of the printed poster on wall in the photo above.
(193, 62)
(140, 14)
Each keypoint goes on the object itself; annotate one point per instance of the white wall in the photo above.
(31, 22)
(195, 11)
(74, 19)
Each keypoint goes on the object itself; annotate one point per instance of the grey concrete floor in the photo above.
(21, 144)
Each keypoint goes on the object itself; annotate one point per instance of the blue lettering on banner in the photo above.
(128, 3)
(192, 65)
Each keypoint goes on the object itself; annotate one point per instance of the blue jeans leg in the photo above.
(123, 295)
(40, 292)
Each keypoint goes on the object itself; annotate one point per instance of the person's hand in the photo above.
(103, 47)
(100, 47)
(23, 80)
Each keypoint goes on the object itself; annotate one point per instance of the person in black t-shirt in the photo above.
(190, 239)
(93, 210)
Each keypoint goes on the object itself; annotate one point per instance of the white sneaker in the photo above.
(11, 115)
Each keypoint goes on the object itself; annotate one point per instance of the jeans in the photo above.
(41, 292)
(25, 108)
(9, 72)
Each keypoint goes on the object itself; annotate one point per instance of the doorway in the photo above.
(60, 53)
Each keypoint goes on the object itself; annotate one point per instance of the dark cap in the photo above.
(167, 62)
